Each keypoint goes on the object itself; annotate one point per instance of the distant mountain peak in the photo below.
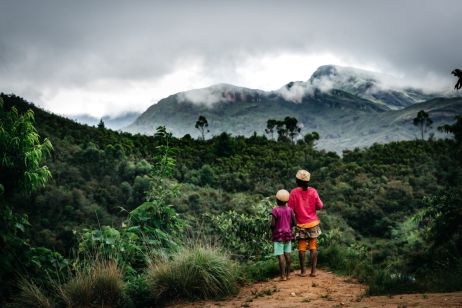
(346, 74)
(218, 93)
(373, 86)
(324, 70)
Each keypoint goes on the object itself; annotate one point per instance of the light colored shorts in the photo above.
(281, 248)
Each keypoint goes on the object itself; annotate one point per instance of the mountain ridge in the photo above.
(343, 115)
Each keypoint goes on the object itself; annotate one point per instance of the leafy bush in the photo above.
(46, 264)
(344, 259)
(260, 270)
(21, 172)
(151, 227)
(198, 272)
(245, 235)
(123, 245)
(383, 281)
(138, 293)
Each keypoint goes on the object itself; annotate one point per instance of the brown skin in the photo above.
(284, 270)
(301, 258)
(313, 252)
(313, 259)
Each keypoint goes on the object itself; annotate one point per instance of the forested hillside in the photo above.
(391, 218)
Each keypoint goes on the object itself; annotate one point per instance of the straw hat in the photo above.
(282, 195)
(303, 175)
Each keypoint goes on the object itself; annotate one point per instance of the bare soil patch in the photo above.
(325, 290)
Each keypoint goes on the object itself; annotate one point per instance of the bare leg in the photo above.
(314, 261)
(301, 257)
(287, 256)
(281, 265)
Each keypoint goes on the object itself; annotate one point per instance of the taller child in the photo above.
(305, 201)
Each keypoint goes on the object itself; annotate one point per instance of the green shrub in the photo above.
(196, 273)
(247, 236)
(354, 260)
(386, 282)
(261, 270)
(138, 293)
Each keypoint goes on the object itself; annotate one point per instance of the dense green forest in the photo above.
(72, 194)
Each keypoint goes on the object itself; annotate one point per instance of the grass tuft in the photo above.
(100, 285)
(31, 295)
(196, 273)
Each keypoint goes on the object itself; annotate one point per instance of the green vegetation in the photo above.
(288, 129)
(21, 173)
(201, 125)
(345, 118)
(194, 272)
(423, 121)
(109, 210)
(99, 284)
(30, 295)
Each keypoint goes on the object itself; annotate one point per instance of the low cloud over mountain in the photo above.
(348, 107)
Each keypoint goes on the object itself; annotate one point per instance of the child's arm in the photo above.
(319, 204)
(293, 220)
(273, 221)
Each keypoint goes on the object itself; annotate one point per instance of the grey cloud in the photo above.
(59, 44)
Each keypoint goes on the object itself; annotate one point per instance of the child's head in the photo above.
(282, 196)
(302, 177)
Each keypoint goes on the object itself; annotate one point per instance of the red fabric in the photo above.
(304, 203)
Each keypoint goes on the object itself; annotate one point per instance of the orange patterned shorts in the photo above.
(312, 244)
(304, 235)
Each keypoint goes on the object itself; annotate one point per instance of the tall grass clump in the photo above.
(31, 295)
(100, 284)
(196, 273)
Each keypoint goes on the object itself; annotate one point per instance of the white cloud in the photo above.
(266, 72)
(271, 71)
(115, 97)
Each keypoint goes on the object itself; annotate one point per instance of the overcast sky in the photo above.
(110, 57)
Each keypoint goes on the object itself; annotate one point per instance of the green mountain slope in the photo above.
(343, 120)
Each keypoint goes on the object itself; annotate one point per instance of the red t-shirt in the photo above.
(304, 203)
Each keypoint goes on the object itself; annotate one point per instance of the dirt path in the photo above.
(326, 290)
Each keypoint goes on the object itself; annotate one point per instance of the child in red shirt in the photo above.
(305, 201)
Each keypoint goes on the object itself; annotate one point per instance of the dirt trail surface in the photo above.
(325, 290)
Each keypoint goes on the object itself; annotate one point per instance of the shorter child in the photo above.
(283, 219)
